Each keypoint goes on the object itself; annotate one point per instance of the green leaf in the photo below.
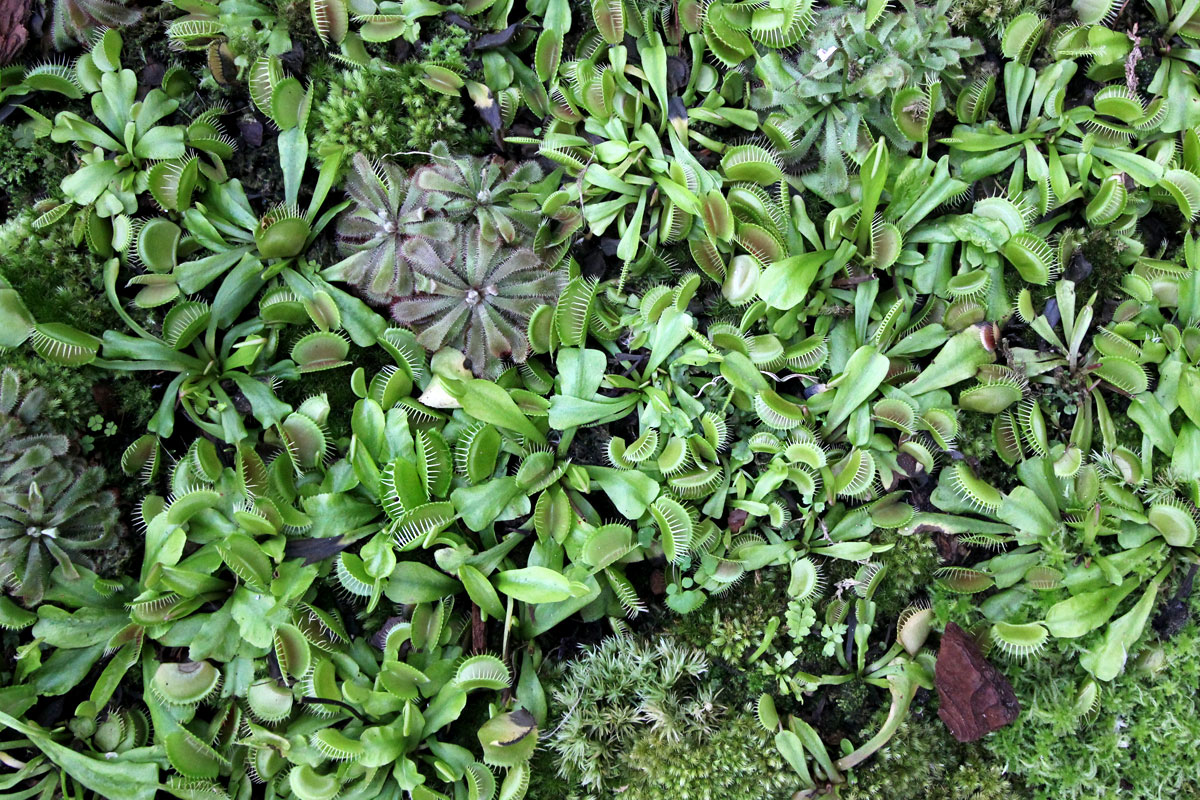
(631, 492)
(792, 750)
(158, 144)
(534, 585)
(1107, 660)
(669, 333)
(414, 582)
(863, 374)
(958, 360)
(488, 402)
(1083, 613)
(571, 412)
(15, 320)
(785, 283)
(741, 373)
(480, 506)
(1022, 509)
(481, 591)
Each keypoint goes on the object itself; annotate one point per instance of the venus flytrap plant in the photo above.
(121, 159)
(635, 174)
(843, 88)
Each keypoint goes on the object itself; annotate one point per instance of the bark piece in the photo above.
(974, 697)
(13, 33)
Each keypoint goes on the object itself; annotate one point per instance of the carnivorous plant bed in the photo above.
(599, 399)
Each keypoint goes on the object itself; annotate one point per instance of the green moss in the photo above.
(621, 691)
(1103, 249)
(335, 385)
(910, 566)
(28, 168)
(737, 761)
(34, 261)
(387, 109)
(643, 719)
(544, 781)
(986, 19)
(82, 394)
(107, 409)
(732, 629)
(923, 762)
(975, 441)
(1138, 742)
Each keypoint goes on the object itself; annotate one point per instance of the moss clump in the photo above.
(975, 442)
(923, 762)
(26, 167)
(641, 718)
(736, 761)
(1137, 742)
(104, 406)
(34, 261)
(910, 566)
(730, 631)
(335, 385)
(986, 19)
(387, 109)
(86, 398)
(1103, 250)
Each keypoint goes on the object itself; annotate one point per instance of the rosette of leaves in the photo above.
(1041, 131)
(231, 575)
(622, 127)
(53, 506)
(479, 298)
(861, 236)
(493, 191)
(388, 208)
(246, 29)
(388, 724)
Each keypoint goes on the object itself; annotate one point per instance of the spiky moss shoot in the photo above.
(1103, 250)
(25, 168)
(731, 630)
(58, 281)
(624, 689)
(975, 441)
